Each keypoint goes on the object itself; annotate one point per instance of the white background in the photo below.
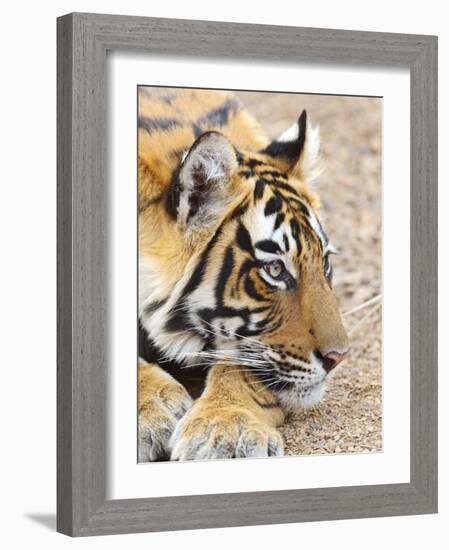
(27, 218)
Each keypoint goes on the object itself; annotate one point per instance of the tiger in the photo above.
(235, 278)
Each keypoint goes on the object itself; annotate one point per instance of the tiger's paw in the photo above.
(209, 431)
(158, 417)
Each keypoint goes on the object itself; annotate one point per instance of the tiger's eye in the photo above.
(275, 269)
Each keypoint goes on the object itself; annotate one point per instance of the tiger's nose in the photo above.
(334, 358)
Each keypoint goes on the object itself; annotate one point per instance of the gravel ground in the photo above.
(349, 420)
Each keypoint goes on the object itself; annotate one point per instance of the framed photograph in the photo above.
(247, 274)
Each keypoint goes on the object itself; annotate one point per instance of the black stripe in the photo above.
(286, 187)
(290, 149)
(178, 319)
(287, 149)
(259, 189)
(173, 194)
(196, 198)
(244, 239)
(148, 350)
(263, 322)
(273, 205)
(200, 269)
(152, 124)
(251, 290)
(208, 314)
(244, 331)
(153, 306)
(225, 273)
(295, 233)
(245, 267)
(220, 115)
(240, 210)
(246, 173)
(274, 326)
(252, 163)
(268, 246)
(178, 322)
(273, 173)
(301, 205)
(279, 220)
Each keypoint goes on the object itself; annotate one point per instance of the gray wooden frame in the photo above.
(83, 40)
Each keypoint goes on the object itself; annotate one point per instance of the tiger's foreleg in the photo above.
(162, 402)
(235, 417)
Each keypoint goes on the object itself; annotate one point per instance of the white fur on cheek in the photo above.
(174, 345)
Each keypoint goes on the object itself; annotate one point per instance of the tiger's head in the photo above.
(257, 289)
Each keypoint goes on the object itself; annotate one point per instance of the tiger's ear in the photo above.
(203, 182)
(298, 149)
